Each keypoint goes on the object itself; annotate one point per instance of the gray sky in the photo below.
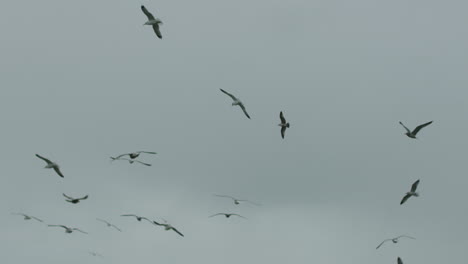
(84, 80)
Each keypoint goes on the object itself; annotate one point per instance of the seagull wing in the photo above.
(216, 214)
(382, 243)
(230, 95)
(407, 130)
(116, 227)
(83, 198)
(104, 221)
(147, 13)
(121, 155)
(146, 164)
(79, 230)
(177, 231)
(68, 197)
(37, 219)
(399, 260)
(226, 196)
(416, 130)
(283, 130)
(239, 216)
(405, 198)
(157, 31)
(59, 226)
(283, 120)
(414, 186)
(250, 202)
(243, 109)
(44, 159)
(406, 236)
(129, 215)
(147, 152)
(57, 170)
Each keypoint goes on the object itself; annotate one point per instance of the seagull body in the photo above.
(134, 155)
(394, 240)
(399, 261)
(51, 165)
(139, 218)
(236, 101)
(152, 21)
(131, 161)
(235, 200)
(109, 224)
(29, 217)
(168, 227)
(412, 134)
(95, 254)
(74, 200)
(283, 124)
(69, 230)
(228, 215)
(412, 192)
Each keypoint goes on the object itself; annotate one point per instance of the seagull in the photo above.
(130, 161)
(228, 215)
(237, 201)
(411, 193)
(168, 227)
(109, 224)
(237, 102)
(152, 21)
(139, 218)
(394, 240)
(412, 134)
(28, 217)
(70, 230)
(134, 155)
(51, 165)
(95, 254)
(283, 124)
(74, 200)
(399, 261)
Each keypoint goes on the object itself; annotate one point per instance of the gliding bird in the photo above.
(237, 201)
(28, 217)
(130, 161)
(411, 193)
(51, 165)
(283, 124)
(74, 200)
(109, 224)
(139, 218)
(394, 240)
(134, 155)
(152, 21)
(237, 102)
(412, 134)
(69, 230)
(168, 227)
(228, 215)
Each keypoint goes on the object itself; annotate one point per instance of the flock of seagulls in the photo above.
(132, 158)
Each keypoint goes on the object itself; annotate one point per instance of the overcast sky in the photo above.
(85, 80)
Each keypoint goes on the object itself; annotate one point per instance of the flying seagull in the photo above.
(28, 217)
(412, 134)
(134, 155)
(283, 124)
(394, 240)
(152, 21)
(228, 215)
(237, 201)
(411, 193)
(70, 230)
(139, 218)
(51, 165)
(399, 261)
(109, 224)
(74, 200)
(168, 227)
(95, 254)
(130, 161)
(237, 102)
